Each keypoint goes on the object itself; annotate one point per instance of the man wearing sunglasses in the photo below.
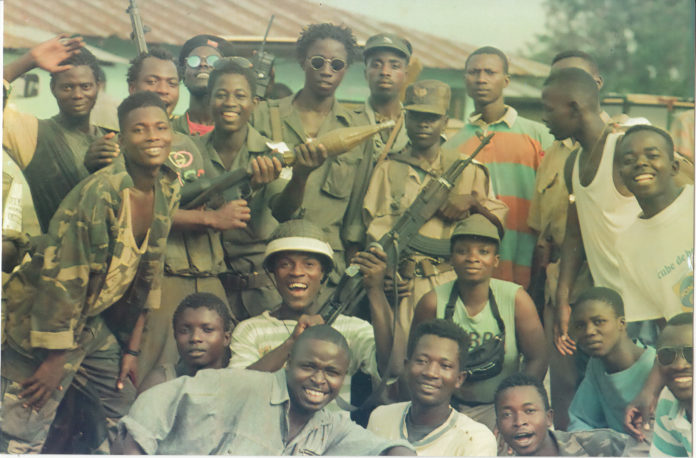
(673, 417)
(320, 188)
(197, 58)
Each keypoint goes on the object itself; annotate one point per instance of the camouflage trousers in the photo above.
(96, 361)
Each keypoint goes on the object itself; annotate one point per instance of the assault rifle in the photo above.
(263, 63)
(350, 290)
(138, 34)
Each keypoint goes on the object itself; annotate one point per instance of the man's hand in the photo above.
(373, 266)
(102, 152)
(264, 170)
(404, 288)
(308, 156)
(129, 365)
(232, 215)
(304, 322)
(39, 387)
(457, 206)
(638, 415)
(49, 54)
(563, 342)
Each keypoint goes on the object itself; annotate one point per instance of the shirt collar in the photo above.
(509, 118)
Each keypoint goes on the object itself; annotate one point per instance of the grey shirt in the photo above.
(238, 412)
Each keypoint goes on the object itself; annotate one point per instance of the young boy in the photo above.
(242, 412)
(524, 419)
(617, 368)
(202, 329)
(437, 351)
(674, 413)
(85, 294)
(299, 260)
(486, 308)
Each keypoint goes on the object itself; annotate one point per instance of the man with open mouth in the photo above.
(298, 258)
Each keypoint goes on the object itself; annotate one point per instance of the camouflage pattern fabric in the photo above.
(597, 442)
(49, 299)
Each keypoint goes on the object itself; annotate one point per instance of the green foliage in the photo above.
(641, 46)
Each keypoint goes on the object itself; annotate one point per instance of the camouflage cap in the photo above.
(388, 41)
(477, 225)
(428, 96)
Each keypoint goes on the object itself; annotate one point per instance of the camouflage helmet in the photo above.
(298, 235)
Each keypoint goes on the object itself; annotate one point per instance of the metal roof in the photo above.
(174, 21)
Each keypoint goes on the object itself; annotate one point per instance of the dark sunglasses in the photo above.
(667, 355)
(196, 61)
(318, 62)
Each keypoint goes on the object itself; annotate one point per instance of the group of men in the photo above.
(87, 317)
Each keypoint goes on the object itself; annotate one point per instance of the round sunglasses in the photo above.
(667, 355)
(318, 62)
(197, 61)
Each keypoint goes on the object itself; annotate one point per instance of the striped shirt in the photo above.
(512, 157)
(255, 337)
(673, 430)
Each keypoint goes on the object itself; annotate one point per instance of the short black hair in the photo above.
(602, 294)
(681, 319)
(650, 128)
(137, 63)
(138, 100)
(230, 67)
(314, 32)
(321, 332)
(520, 379)
(576, 82)
(445, 329)
(208, 300)
(84, 57)
(490, 50)
(580, 55)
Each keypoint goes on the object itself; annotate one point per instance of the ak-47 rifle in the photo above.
(263, 63)
(138, 34)
(350, 290)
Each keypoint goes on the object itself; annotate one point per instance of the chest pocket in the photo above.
(398, 175)
(341, 175)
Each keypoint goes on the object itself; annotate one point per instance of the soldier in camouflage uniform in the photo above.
(85, 293)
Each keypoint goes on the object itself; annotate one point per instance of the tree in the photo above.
(640, 46)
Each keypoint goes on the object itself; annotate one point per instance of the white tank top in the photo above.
(603, 213)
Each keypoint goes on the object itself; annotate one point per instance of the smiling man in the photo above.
(299, 259)
(524, 419)
(197, 58)
(437, 352)
(87, 289)
(673, 433)
(241, 412)
(50, 151)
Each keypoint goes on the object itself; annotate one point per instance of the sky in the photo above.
(470, 21)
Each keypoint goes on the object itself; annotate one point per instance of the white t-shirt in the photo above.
(656, 257)
(459, 435)
(603, 213)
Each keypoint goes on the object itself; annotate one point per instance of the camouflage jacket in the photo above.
(48, 300)
(596, 442)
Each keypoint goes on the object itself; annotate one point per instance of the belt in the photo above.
(423, 267)
(237, 282)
